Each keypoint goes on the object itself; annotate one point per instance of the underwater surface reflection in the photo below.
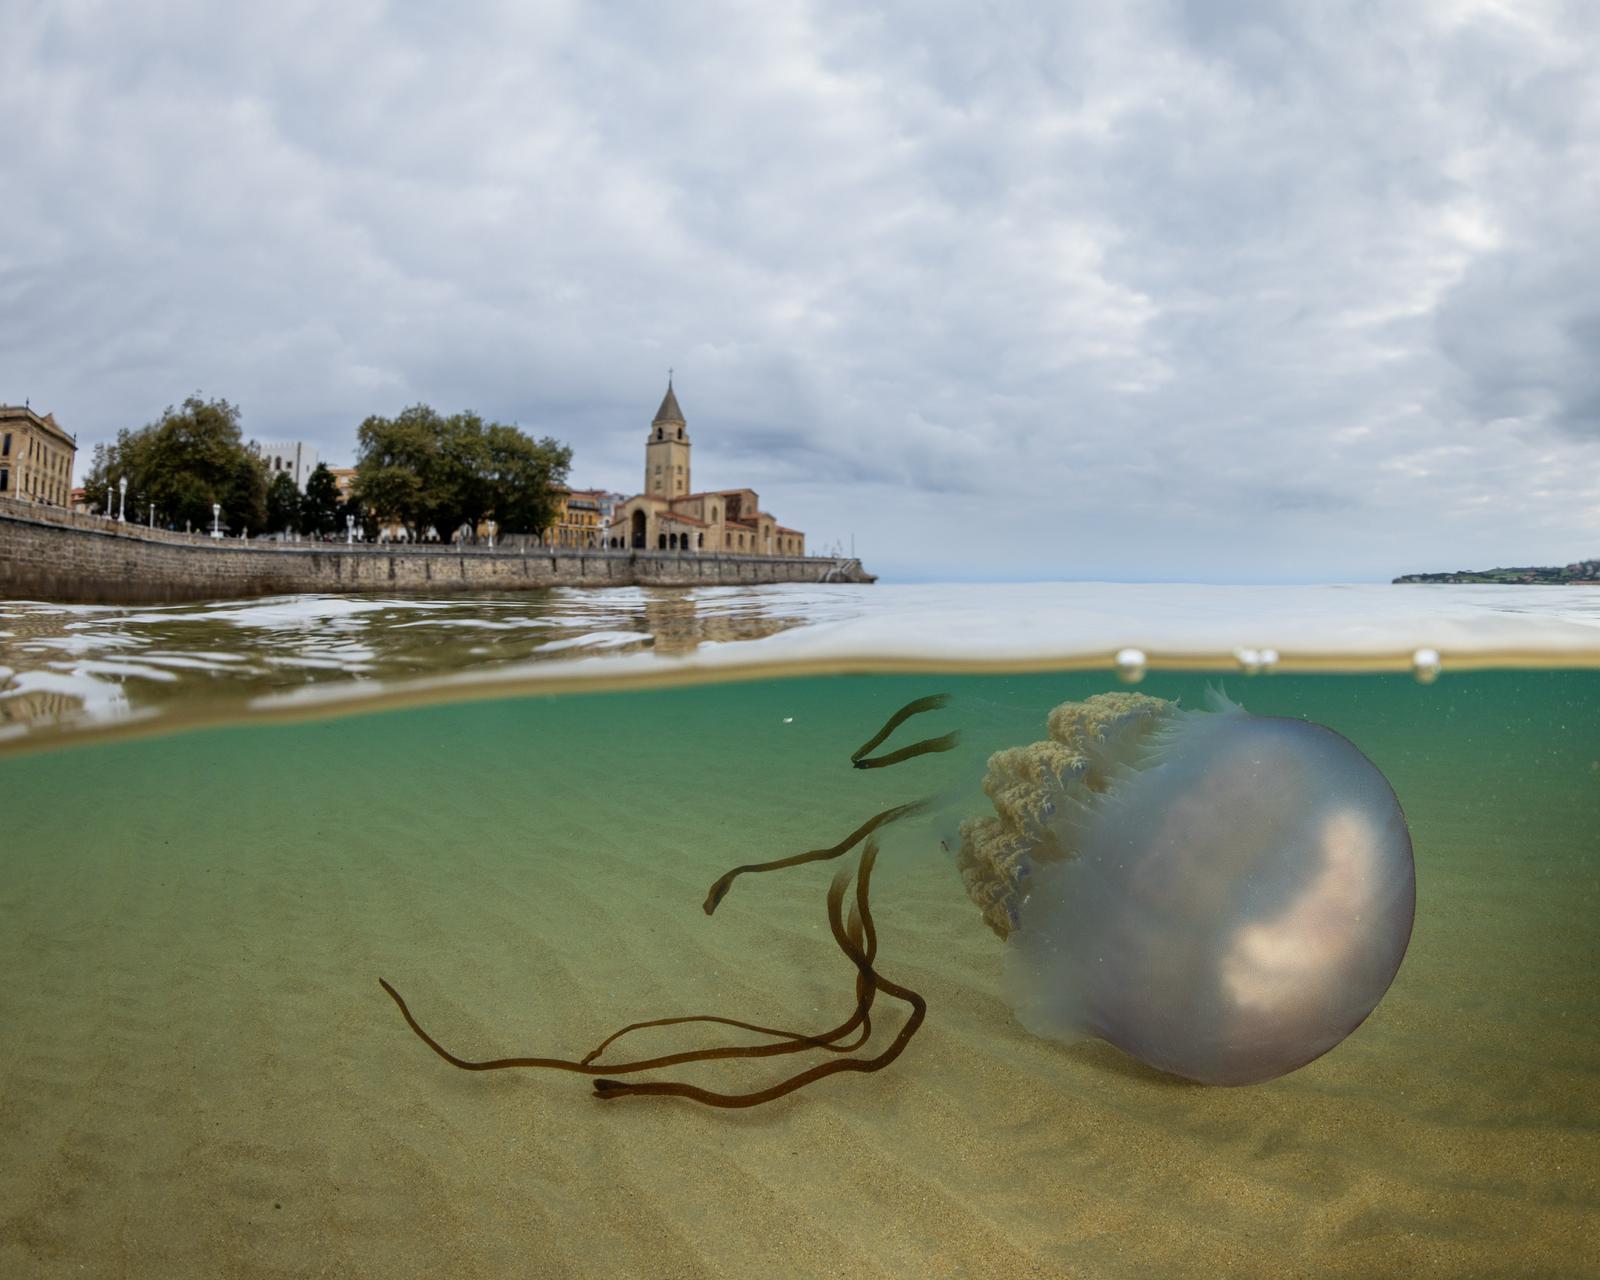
(84, 665)
(69, 668)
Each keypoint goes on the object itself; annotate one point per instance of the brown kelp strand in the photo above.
(804, 1040)
(801, 1039)
(933, 702)
(926, 747)
(857, 938)
(719, 890)
(791, 1042)
(868, 976)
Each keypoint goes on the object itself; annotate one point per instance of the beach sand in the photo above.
(200, 1076)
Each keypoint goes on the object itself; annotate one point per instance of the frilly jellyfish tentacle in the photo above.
(1224, 896)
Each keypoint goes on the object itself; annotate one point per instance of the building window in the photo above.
(5, 480)
(5, 449)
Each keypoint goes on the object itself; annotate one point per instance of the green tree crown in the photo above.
(283, 504)
(186, 460)
(430, 471)
(320, 506)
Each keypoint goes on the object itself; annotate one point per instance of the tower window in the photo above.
(680, 433)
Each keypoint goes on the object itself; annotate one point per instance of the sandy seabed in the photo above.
(199, 1075)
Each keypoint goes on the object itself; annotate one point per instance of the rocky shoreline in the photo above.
(1579, 572)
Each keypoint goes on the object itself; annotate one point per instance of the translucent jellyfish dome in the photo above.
(1224, 896)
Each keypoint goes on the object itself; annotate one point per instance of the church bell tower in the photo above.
(666, 454)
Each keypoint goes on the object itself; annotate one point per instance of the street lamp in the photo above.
(110, 499)
(491, 535)
(216, 519)
(349, 530)
(122, 501)
(152, 515)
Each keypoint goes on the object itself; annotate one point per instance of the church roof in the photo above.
(669, 411)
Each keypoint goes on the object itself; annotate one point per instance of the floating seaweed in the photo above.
(855, 935)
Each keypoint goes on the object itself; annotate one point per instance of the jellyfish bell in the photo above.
(1224, 896)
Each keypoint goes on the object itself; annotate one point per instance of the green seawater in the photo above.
(199, 1074)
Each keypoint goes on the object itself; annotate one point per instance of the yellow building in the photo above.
(670, 516)
(35, 457)
(577, 520)
(343, 479)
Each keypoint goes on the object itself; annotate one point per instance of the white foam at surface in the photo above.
(305, 611)
(596, 640)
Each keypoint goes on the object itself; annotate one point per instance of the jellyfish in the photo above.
(1223, 896)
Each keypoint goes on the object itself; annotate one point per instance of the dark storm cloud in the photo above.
(1233, 290)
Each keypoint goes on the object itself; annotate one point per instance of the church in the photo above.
(670, 516)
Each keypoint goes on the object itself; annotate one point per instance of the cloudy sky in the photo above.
(1222, 290)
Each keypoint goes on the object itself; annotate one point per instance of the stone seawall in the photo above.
(50, 554)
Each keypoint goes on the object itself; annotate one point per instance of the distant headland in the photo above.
(1579, 572)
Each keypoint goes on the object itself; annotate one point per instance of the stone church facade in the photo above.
(670, 516)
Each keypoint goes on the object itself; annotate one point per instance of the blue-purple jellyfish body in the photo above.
(1224, 896)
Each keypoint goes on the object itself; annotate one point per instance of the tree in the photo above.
(366, 522)
(188, 459)
(394, 462)
(523, 476)
(319, 510)
(283, 504)
(427, 470)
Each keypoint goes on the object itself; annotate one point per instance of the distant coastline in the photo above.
(1581, 571)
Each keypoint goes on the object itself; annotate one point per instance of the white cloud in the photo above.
(1207, 291)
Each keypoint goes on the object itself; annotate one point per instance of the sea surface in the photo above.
(223, 824)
